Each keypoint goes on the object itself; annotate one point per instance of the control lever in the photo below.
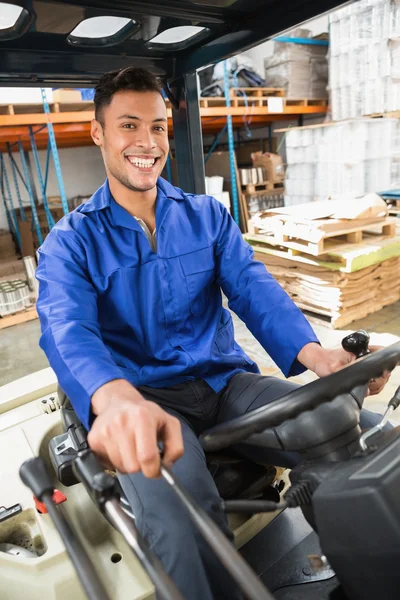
(393, 404)
(34, 475)
(357, 343)
(233, 562)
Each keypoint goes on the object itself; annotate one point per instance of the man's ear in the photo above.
(96, 131)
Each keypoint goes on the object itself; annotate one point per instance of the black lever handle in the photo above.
(357, 343)
(34, 475)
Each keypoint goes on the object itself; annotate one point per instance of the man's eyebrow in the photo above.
(133, 118)
(129, 117)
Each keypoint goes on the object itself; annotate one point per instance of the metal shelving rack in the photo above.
(26, 177)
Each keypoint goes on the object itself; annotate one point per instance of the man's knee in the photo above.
(157, 507)
(369, 419)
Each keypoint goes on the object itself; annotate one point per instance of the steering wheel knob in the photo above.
(357, 343)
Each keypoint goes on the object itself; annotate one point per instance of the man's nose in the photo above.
(145, 139)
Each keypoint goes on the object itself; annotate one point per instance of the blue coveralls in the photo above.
(110, 307)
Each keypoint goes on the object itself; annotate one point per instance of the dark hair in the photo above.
(131, 78)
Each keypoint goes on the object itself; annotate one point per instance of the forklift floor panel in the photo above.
(279, 556)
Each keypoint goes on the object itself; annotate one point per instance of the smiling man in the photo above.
(133, 325)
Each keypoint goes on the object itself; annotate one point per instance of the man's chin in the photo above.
(143, 185)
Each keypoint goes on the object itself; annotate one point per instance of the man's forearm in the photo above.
(112, 390)
(310, 355)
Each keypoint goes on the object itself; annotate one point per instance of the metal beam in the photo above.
(31, 179)
(14, 168)
(231, 147)
(56, 159)
(35, 219)
(21, 68)
(42, 182)
(10, 211)
(131, 8)
(188, 136)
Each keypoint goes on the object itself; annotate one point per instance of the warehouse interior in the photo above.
(301, 143)
(304, 80)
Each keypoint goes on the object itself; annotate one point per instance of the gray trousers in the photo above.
(161, 518)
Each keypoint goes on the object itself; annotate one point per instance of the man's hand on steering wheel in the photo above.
(324, 361)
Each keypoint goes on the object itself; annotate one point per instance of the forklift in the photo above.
(329, 529)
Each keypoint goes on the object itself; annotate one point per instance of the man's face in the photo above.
(134, 138)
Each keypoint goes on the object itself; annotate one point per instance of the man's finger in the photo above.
(127, 449)
(377, 385)
(109, 461)
(173, 442)
(114, 456)
(375, 348)
(147, 452)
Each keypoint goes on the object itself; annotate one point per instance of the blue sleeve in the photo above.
(258, 299)
(71, 336)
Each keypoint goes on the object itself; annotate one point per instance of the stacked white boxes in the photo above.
(364, 59)
(301, 70)
(344, 158)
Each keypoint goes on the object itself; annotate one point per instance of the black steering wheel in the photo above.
(304, 398)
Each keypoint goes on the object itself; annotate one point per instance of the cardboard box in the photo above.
(272, 164)
(67, 96)
(25, 229)
(246, 149)
(11, 267)
(7, 247)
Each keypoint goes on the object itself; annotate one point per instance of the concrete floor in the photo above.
(20, 353)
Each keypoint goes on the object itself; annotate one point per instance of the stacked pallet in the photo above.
(339, 271)
(337, 297)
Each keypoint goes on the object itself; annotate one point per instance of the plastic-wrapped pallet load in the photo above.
(14, 296)
(301, 70)
(349, 158)
(364, 59)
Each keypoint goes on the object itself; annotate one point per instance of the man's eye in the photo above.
(159, 128)
(128, 126)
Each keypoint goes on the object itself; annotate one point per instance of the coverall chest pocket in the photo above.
(198, 270)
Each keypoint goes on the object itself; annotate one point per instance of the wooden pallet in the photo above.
(394, 212)
(255, 96)
(29, 314)
(322, 237)
(394, 207)
(306, 102)
(257, 92)
(348, 259)
(243, 97)
(267, 186)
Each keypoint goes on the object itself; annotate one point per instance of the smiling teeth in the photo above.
(142, 162)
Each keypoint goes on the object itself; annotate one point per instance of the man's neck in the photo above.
(137, 203)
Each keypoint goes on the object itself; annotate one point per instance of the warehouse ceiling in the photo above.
(72, 43)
